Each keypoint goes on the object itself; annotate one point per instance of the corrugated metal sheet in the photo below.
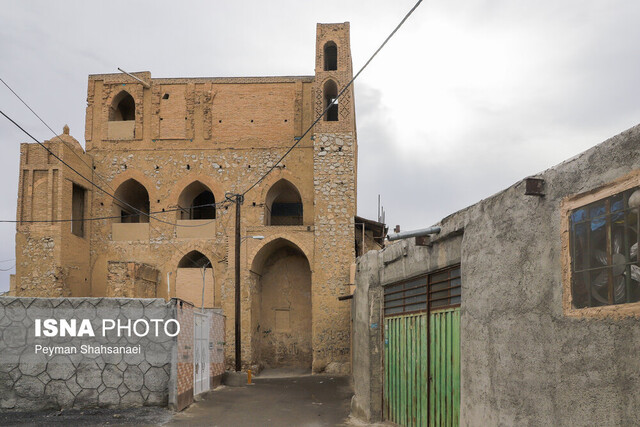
(444, 390)
(408, 365)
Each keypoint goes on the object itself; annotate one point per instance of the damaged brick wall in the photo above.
(131, 279)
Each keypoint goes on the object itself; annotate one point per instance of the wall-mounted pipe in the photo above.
(414, 233)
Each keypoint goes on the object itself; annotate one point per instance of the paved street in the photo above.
(317, 400)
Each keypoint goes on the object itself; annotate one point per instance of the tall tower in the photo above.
(335, 164)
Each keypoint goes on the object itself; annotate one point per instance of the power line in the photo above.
(334, 100)
(48, 127)
(93, 183)
(110, 217)
(90, 167)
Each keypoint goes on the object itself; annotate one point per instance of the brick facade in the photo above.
(224, 133)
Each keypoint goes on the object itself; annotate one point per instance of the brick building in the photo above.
(172, 148)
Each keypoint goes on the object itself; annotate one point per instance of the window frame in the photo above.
(426, 284)
(78, 225)
(568, 205)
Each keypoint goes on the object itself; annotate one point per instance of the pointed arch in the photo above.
(136, 199)
(330, 95)
(330, 56)
(283, 204)
(282, 326)
(123, 107)
(196, 201)
(194, 259)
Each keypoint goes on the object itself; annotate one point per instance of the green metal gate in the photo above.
(422, 351)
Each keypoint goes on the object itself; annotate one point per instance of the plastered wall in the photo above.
(524, 360)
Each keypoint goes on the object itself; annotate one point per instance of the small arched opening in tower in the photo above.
(330, 91)
(123, 108)
(283, 204)
(330, 56)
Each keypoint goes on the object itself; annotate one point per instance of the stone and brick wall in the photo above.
(225, 133)
(131, 279)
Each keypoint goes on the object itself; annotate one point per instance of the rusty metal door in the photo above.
(422, 350)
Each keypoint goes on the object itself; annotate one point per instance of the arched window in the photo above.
(283, 204)
(136, 200)
(194, 259)
(330, 56)
(123, 108)
(196, 281)
(197, 202)
(330, 92)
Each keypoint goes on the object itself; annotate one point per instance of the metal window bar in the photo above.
(587, 254)
(399, 300)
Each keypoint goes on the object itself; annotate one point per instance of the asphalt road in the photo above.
(318, 400)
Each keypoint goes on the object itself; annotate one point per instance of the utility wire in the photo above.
(101, 177)
(49, 127)
(93, 183)
(334, 100)
(106, 217)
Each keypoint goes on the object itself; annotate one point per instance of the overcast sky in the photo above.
(468, 97)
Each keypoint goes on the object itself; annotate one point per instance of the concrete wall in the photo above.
(524, 359)
(159, 374)
(33, 381)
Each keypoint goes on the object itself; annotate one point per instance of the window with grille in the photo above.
(443, 289)
(604, 251)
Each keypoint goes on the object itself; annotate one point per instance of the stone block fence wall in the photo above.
(82, 378)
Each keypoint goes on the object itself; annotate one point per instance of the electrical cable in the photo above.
(334, 100)
(49, 127)
(93, 183)
(44, 221)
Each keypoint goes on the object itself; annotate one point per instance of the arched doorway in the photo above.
(282, 306)
(192, 268)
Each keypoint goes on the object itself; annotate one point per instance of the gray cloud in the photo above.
(469, 97)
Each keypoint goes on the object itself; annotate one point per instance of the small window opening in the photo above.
(165, 96)
(194, 259)
(330, 95)
(283, 204)
(188, 167)
(197, 202)
(135, 208)
(123, 108)
(330, 56)
(77, 210)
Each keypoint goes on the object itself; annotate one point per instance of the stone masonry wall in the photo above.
(131, 279)
(334, 181)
